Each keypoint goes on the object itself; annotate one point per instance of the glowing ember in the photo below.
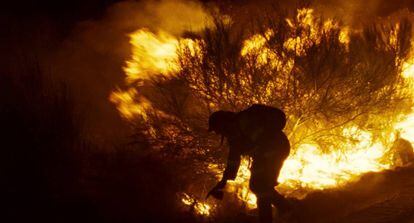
(240, 184)
(199, 207)
(408, 70)
(344, 36)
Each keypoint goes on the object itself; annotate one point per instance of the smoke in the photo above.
(355, 12)
(351, 12)
(176, 16)
(92, 57)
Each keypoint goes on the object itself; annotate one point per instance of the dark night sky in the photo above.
(67, 12)
(56, 9)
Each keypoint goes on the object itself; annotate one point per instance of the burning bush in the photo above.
(303, 67)
(341, 88)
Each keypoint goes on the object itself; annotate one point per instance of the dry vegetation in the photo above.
(51, 172)
(324, 83)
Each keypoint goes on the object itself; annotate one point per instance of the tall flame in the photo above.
(152, 55)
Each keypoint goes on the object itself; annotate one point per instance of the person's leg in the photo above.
(264, 206)
(259, 186)
(277, 199)
(267, 164)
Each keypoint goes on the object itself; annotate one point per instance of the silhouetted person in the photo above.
(256, 132)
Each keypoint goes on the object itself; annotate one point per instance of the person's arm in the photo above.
(230, 173)
(233, 164)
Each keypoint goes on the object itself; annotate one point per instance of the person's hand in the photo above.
(217, 191)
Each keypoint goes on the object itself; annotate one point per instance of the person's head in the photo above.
(220, 122)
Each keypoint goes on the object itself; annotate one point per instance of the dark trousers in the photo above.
(265, 170)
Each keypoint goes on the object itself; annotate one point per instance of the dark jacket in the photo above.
(256, 132)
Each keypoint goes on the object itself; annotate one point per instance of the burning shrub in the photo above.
(323, 84)
(342, 90)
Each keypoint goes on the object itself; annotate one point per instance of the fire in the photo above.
(406, 126)
(240, 184)
(344, 36)
(130, 104)
(408, 69)
(308, 167)
(306, 20)
(151, 54)
(256, 43)
(199, 207)
(317, 170)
